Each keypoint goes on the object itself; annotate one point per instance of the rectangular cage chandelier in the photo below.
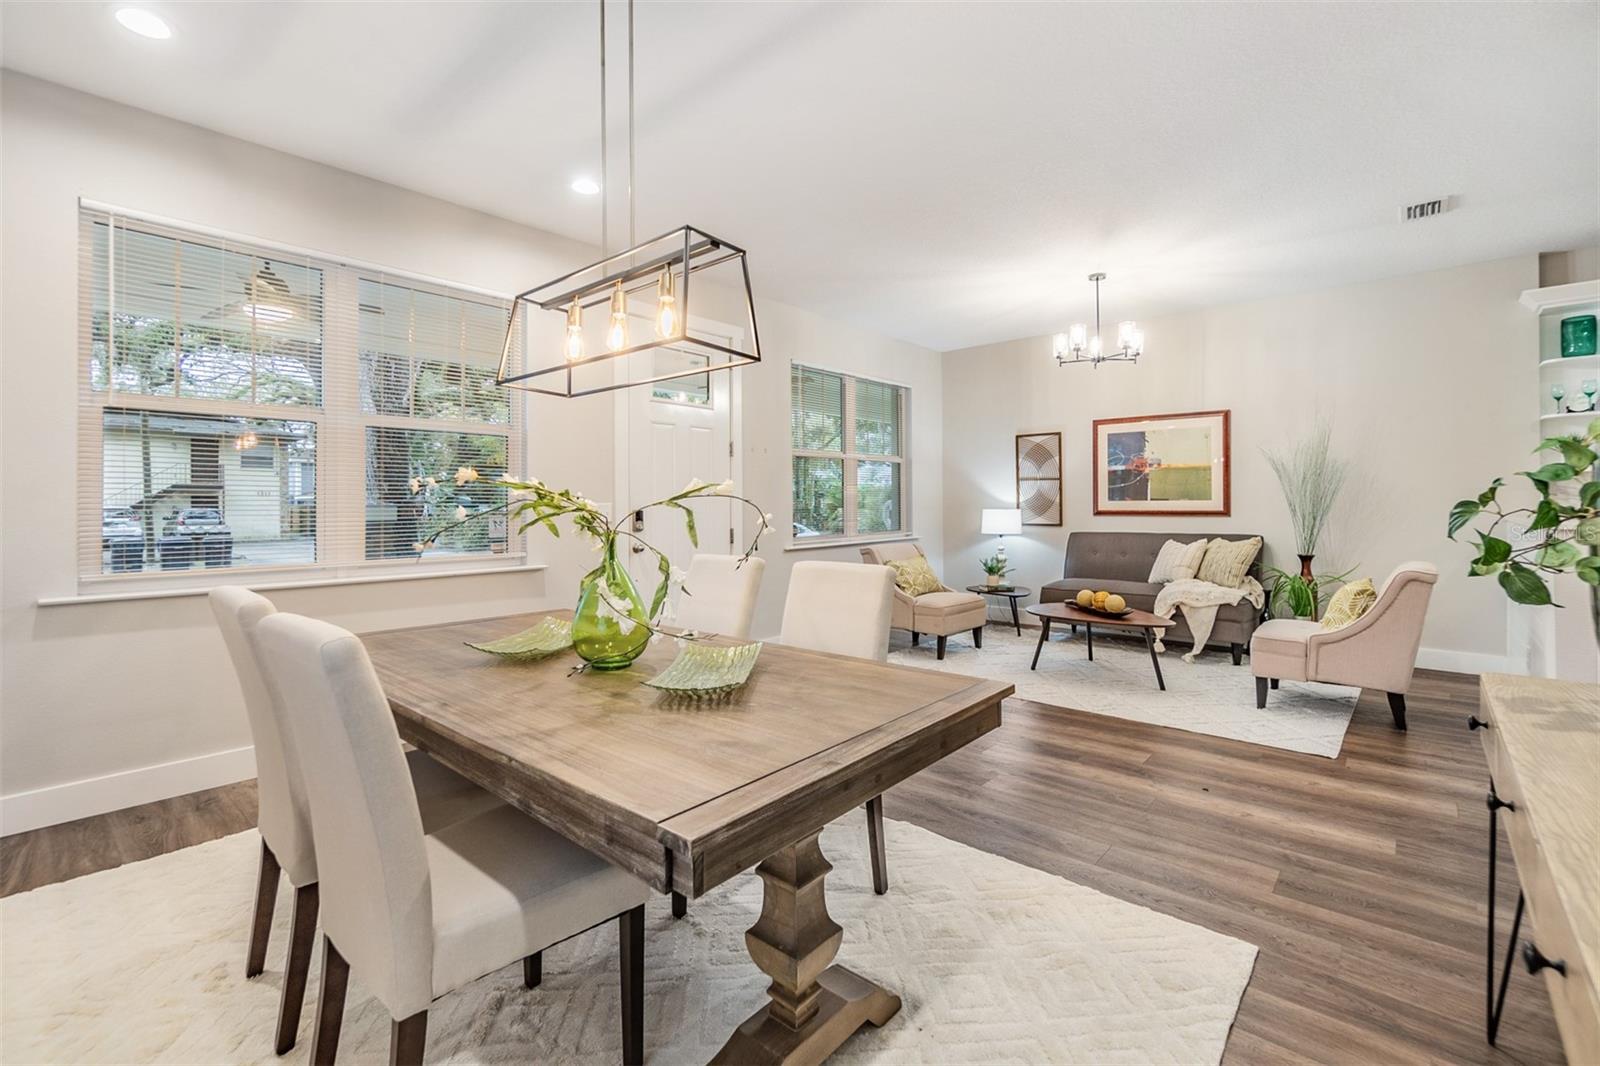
(600, 307)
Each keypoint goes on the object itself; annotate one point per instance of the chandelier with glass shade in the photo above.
(1078, 345)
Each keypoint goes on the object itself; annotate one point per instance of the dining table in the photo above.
(686, 794)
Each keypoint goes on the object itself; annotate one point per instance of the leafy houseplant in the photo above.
(1311, 477)
(996, 568)
(612, 625)
(1564, 525)
(1296, 596)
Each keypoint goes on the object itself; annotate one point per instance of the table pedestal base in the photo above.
(814, 1006)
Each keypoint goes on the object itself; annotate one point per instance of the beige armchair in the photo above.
(1377, 650)
(939, 614)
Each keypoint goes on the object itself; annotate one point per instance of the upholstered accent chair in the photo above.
(1377, 650)
(939, 614)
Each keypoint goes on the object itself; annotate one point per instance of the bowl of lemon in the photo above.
(1107, 603)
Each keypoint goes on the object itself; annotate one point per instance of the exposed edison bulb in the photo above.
(666, 305)
(1125, 332)
(574, 345)
(617, 331)
(1079, 336)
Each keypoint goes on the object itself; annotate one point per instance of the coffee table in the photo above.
(1143, 621)
(1013, 593)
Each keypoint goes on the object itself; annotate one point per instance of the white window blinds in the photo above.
(849, 446)
(247, 408)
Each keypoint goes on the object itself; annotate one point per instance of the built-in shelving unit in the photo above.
(1545, 641)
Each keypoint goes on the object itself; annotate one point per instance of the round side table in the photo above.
(1013, 593)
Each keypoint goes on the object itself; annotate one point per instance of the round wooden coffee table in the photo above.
(1143, 621)
(1012, 593)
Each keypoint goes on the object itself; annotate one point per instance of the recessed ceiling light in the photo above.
(143, 23)
(585, 186)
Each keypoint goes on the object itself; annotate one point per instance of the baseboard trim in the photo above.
(22, 811)
(1466, 662)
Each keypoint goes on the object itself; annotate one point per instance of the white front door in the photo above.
(671, 432)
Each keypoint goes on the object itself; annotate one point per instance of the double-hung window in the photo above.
(850, 442)
(245, 407)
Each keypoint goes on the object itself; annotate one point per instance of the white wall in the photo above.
(1428, 380)
(117, 689)
(90, 716)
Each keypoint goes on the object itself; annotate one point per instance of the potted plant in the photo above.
(1296, 596)
(612, 624)
(1311, 477)
(996, 569)
(1560, 535)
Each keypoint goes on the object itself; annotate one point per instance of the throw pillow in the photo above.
(914, 576)
(1176, 561)
(1350, 603)
(1227, 561)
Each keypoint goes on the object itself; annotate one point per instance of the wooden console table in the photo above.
(1542, 740)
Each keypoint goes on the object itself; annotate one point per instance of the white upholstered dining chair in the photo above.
(719, 595)
(844, 608)
(282, 813)
(418, 915)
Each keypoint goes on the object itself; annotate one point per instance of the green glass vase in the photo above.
(611, 628)
(1578, 336)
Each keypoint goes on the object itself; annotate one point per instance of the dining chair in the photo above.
(719, 595)
(420, 915)
(281, 812)
(844, 608)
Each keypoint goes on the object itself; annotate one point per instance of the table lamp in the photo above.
(998, 521)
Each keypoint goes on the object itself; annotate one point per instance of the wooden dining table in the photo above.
(687, 794)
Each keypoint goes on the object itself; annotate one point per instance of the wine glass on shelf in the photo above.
(1557, 392)
(1590, 387)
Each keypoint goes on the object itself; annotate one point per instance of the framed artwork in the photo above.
(1039, 478)
(1163, 464)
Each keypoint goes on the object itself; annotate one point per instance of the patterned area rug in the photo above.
(995, 962)
(1209, 695)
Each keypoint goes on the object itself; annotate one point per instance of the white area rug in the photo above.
(995, 962)
(1209, 695)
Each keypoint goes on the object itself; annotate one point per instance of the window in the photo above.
(225, 384)
(849, 442)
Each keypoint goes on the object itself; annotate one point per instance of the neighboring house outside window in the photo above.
(849, 441)
(225, 384)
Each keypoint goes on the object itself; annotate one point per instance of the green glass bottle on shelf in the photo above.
(1578, 336)
(611, 628)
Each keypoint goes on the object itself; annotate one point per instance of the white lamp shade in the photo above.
(1002, 520)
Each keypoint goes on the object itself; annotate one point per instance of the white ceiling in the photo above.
(946, 173)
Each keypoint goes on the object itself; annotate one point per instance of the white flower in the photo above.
(416, 485)
(430, 481)
(766, 521)
(419, 547)
(676, 576)
(694, 483)
(724, 489)
(465, 474)
(461, 514)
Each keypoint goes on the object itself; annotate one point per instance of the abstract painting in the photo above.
(1039, 478)
(1162, 464)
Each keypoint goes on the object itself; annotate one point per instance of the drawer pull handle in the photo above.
(1495, 803)
(1474, 722)
(1536, 961)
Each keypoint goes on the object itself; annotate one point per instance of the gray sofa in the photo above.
(1120, 563)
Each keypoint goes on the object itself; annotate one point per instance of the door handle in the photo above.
(637, 525)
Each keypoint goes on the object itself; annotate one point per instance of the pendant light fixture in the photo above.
(1084, 348)
(595, 299)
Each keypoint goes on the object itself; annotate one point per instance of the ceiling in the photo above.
(946, 173)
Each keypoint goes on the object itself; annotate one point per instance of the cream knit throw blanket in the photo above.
(1200, 600)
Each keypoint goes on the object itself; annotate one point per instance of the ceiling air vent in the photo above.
(1426, 209)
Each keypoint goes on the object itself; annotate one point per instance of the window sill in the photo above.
(275, 586)
(818, 544)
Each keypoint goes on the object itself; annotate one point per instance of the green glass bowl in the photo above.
(550, 636)
(707, 671)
